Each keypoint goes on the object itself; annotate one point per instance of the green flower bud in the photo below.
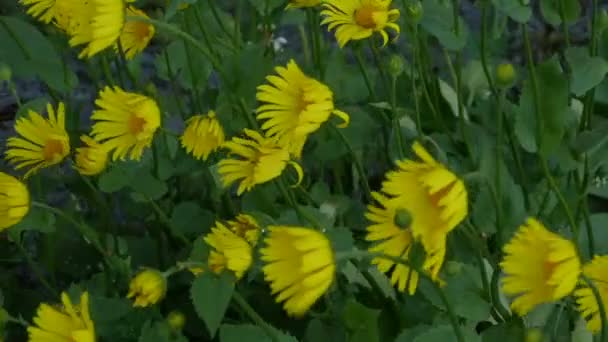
(414, 11)
(396, 65)
(176, 320)
(151, 90)
(5, 72)
(505, 75)
(534, 335)
(402, 218)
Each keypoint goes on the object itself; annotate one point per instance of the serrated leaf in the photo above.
(211, 294)
(243, 333)
(361, 322)
(190, 218)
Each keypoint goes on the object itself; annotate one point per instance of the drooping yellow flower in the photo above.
(229, 250)
(135, 35)
(43, 10)
(66, 323)
(359, 19)
(203, 135)
(92, 158)
(302, 3)
(390, 228)
(147, 288)
(596, 271)
(540, 267)
(434, 197)
(299, 265)
(41, 143)
(125, 122)
(294, 106)
(14, 201)
(260, 160)
(94, 23)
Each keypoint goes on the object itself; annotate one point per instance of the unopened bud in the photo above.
(176, 320)
(505, 75)
(414, 11)
(150, 89)
(5, 72)
(534, 335)
(396, 65)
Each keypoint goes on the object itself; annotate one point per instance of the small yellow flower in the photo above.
(203, 135)
(176, 320)
(135, 35)
(359, 19)
(597, 271)
(229, 250)
(246, 227)
(66, 323)
(299, 265)
(43, 10)
(92, 158)
(147, 288)
(261, 160)
(540, 267)
(391, 230)
(14, 201)
(432, 194)
(125, 122)
(42, 143)
(294, 106)
(302, 3)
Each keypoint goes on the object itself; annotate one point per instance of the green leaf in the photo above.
(30, 54)
(37, 219)
(264, 7)
(190, 218)
(155, 332)
(450, 96)
(504, 332)
(105, 309)
(445, 333)
(514, 9)
(211, 295)
(361, 322)
(551, 12)
(587, 71)
(438, 20)
(187, 76)
(320, 331)
(115, 178)
(243, 333)
(149, 186)
(37, 105)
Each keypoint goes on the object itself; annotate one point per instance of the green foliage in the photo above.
(211, 295)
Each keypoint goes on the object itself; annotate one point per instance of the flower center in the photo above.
(302, 102)
(403, 218)
(548, 268)
(141, 31)
(364, 17)
(51, 148)
(136, 124)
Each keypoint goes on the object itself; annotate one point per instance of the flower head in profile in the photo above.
(203, 135)
(41, 143)
(391, 231)
(294, 106)
(43, 10)
(434, 197)
(135, 35)
(597, 272)
(92, 158)
(147, 288)
(539, 266)
(14, 201)
(359, 19)
(125, 123)
(259, 159)
(68, 322)
(302, 3)
(299, 265)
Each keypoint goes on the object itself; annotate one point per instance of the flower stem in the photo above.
(357, 162)
(167, 222)
(292, 201)
(173, 82)
(600, 304)
(363, 69)
(255, 317)
(45, 283)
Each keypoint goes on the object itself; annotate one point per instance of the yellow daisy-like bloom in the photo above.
(230, 250)
(43, 10)
(246, 227)
(135, 35)
(597, 271)
(92, 158)
(147, 288)
(540, 267)
(14, 201)
(203, 135)
(125, 122)
(95, 23)
(300, 266)
(433, 195)
(261, 160)
(359, 19)
(42, 143)
(302, 3)
(66, 323)
(295, 105)
(391, 230)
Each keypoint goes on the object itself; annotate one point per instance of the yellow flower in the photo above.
(261, 160)
(302, 3)
(540, 267)
(229, 250)
(95, 23)
(295, 106)
(391, 230)
(203, 135)
(246, 227)
(14, 201)
(42, 143)
(135, 35)
(43, 10)
(91, 159)
(125, 122)
(67, 323)
(147, 288)
(300, 266)
(359, 19)
(434, 196)
(597, 271)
